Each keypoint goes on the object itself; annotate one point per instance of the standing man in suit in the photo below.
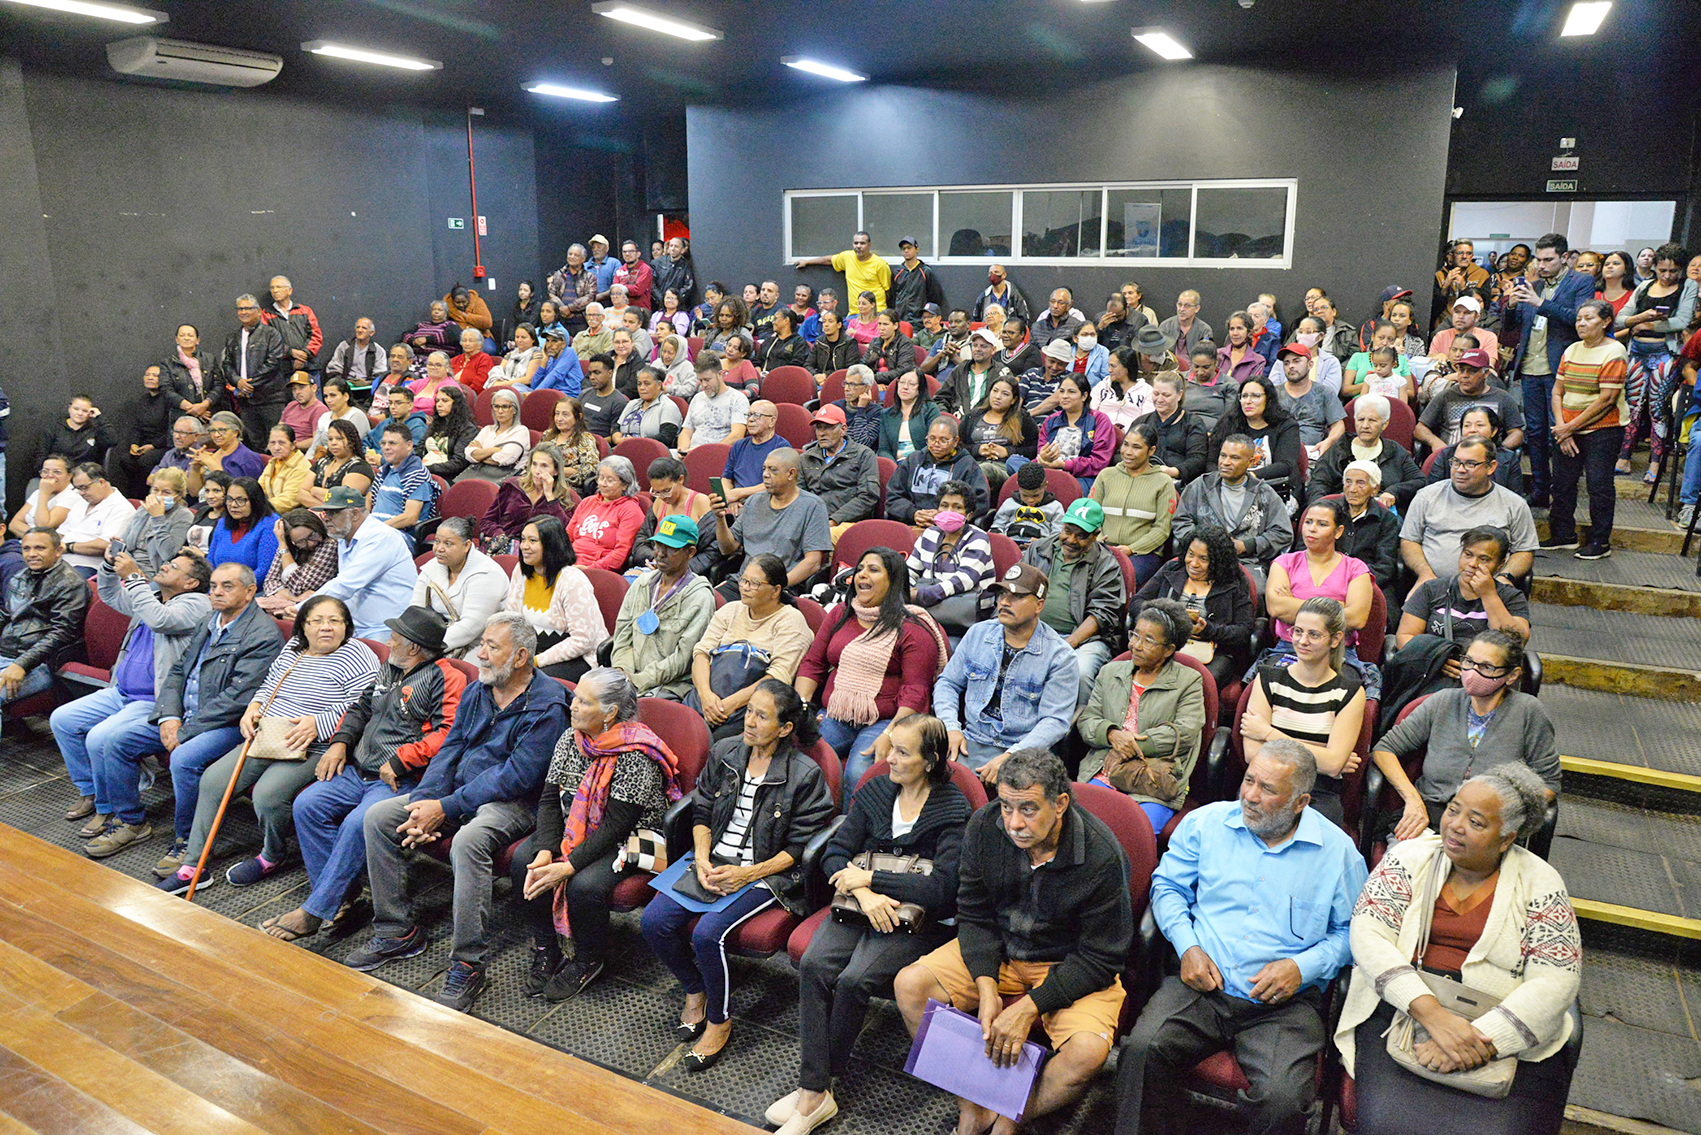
(256, 372)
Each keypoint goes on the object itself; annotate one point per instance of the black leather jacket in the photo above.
(267, 356)
(41, 622)
(792, 805)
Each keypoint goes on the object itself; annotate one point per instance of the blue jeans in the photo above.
(1090, 656)
(1691, 490)
(37, 680)
(1538, 426)
(849, 741)
(700, 964)
(93, 729)
(188, 761)
(330, 818)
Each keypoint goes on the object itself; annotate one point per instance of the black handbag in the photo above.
(911, 916)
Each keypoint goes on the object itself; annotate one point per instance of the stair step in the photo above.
(1634, 569)
(1640, 732)
(1664, 540)
(1626, 887)
(1615, 636)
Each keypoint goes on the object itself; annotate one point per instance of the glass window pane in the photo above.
(1060, 222)
(1149, 222)
(976, 223)
(888, 217)
(1242, 223)
(822, 226)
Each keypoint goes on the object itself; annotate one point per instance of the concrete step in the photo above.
(1655, 737)
(1637, 526)
(1645, 583)
(1622, 637)
(1630, 867)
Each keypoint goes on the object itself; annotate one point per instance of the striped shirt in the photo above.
(1306, 713)
(734, 844)
(1585, 371)
(965, 568)
(319, 686)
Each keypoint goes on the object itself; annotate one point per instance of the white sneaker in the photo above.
(1686, 516)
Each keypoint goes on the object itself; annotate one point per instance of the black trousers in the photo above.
(1275, 1045)
(258, 418)
(843, 969)
(569, 671)
(1597, 456)
(133, 470)
(1392, 1101)
(588, 893)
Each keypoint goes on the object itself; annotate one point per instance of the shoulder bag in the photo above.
(1492, 1080)
(268, 742)
(911, 916)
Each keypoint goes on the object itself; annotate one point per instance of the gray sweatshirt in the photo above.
(1519, 730)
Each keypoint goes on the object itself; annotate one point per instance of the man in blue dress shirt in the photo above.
(1257, 898)
(375, 569)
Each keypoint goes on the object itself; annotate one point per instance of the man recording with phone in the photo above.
(1543, 316)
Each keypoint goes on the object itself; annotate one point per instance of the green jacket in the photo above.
(1172, 714)
(660, 664)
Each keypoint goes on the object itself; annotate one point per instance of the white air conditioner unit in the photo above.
(155, 58)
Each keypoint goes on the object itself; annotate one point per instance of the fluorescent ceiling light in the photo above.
(667, 25)
(120, 12)
(1585, 18)
(1162, 43)
(560, 92)
(825, 70)
(383, 59)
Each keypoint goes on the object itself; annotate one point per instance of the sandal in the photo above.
(1651, 477)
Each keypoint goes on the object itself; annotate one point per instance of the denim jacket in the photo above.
(1040, 688)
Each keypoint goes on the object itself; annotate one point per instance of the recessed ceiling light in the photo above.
(1161, 42)
(555, 90)
(123, 13)
(360, 55)
(825, 70)
(1585, 18)
(667, 25)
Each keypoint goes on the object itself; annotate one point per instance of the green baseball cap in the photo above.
(677, 531)
(1086, 514)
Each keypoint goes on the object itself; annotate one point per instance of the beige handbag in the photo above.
(268, 743)
(1492, 1080)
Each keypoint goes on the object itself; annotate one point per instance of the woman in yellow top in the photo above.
(1591, 411)
(1139, 499)
(287, 473)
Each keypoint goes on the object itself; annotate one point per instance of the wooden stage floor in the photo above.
(124, 1010)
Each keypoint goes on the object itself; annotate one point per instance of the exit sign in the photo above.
(1567, 186)
(1565, 162)
(457, 222)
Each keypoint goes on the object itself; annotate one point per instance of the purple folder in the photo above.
(950, 1053)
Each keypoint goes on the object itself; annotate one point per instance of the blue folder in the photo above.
(665, 881)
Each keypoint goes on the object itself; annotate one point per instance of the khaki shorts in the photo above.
(1096, 1013)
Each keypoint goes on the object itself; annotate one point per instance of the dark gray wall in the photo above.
(130, 208)
(1368, 203)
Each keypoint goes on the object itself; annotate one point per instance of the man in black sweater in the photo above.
(1043, 897)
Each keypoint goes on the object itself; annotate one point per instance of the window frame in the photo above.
(1103, 259)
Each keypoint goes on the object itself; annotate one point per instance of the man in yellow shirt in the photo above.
(864, 271)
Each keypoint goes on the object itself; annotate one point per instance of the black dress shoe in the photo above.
(696, 1062)
(685, 1033)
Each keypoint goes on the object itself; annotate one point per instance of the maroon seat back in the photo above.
(703, 462)
(381, 649)
(833, 387)
(1134, 832)
(610, 588)
(788, 384)
(1006, 554)
(641, 451)
(856, 540)
(792, 421)
(470, 498)
(684, 731)
(887, 467)
(537, 412)
(1402, 423)
(813, 613)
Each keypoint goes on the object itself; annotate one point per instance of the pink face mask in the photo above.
(949, 520)
(1478, 686)
(1310, 338)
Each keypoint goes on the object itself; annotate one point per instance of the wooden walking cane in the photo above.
(218, 818)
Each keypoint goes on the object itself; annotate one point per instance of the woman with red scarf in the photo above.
(611, 777)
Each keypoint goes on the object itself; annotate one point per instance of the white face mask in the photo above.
(1087, 342)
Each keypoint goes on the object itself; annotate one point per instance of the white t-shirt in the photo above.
(711, 419)
(102, 521)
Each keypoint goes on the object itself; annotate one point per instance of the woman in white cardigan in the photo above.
(500, 448)
(557, 600)
(1500, 922)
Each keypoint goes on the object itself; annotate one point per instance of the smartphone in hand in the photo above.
(717, 487)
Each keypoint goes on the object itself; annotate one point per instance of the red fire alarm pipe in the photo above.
(472, 179)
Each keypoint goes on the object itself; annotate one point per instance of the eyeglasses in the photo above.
(1469, 466)
(83, 488)
(752, 584)
(1484, 668)
(1302, 634)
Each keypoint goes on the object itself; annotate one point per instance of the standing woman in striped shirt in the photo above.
(321, 672)
(1315, 700)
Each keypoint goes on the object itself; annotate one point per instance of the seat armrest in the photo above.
(676, 826)
(1374, 783)
(815, 889)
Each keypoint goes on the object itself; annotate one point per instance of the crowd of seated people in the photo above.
(1083, 658)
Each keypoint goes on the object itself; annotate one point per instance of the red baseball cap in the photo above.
(1475, 357)
(830, 414)
(1295, 349)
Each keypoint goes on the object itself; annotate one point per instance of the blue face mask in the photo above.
(168, 503)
